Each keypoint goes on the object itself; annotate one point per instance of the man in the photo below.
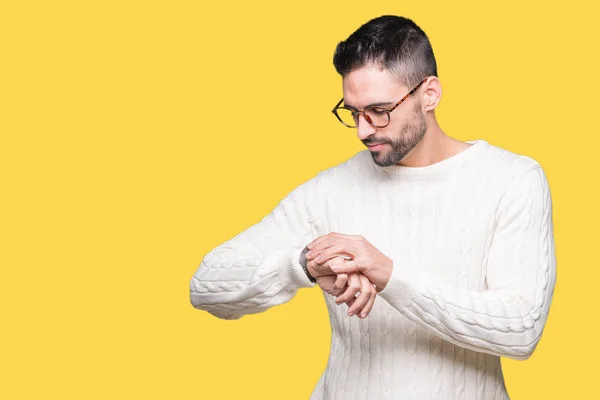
(443, 249)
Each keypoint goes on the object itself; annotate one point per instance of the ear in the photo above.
(432, 93)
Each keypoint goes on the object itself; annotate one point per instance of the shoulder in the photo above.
(504, 167)
(350, 169)
(517, 179)
(509, 161)
(334, 178)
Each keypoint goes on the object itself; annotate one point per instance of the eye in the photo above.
(379, 111)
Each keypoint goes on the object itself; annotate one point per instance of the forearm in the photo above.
(260, 267)
(247, 286)
(507, 317)
(502, 322)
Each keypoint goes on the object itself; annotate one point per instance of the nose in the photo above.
(364, 129)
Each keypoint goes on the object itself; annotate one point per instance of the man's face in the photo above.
(371, 85)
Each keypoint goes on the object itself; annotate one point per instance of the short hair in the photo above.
(394, 43)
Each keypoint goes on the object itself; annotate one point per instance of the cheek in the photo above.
(408, 123)
(395, 127)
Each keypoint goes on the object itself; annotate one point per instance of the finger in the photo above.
(347, 267)
(349, 303)
(366, 291)
(367, 308)
(326, 267)
(336, 250)
(340, 282)
(319, 248)
(320, 239)
(326, 241)
(332, 236)
(351, 290)
(314, 269)
(327, 260)
(326, 280)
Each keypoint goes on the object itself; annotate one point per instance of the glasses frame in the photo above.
(367, 118)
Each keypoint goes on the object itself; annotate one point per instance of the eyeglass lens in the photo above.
(373, 116)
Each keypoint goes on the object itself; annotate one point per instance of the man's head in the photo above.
(380, 63)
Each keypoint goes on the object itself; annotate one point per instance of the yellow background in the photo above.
(138, 135)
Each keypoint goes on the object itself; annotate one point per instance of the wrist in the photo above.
(385, 275)
(304, 263)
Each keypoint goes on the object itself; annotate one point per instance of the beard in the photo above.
(409, 135)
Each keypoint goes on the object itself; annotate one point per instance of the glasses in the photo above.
(377, 116)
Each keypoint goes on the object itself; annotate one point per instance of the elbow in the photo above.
(200, 302)
(520, 355)
(195, 301)
(198, 295)
(522, 351)
(211, 301)
(212, 309)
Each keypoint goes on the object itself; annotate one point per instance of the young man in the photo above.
(443, 249)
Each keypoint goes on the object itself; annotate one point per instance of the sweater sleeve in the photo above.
(508, 318)
(259, 268)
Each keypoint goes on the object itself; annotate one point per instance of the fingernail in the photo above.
(308, 254)
(363, 315)
(350, 313)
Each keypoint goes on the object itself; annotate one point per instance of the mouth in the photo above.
(375, 146)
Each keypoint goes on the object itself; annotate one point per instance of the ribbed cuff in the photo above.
(399, 292)
(296, 272)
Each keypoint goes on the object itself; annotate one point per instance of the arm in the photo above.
(259, 268)
(508, 318)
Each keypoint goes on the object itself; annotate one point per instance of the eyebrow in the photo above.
(370, 105)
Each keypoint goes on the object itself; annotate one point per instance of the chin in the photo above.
(382, 161)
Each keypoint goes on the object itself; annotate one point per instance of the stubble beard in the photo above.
(409, 136)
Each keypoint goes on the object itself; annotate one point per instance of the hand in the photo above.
(317, 270)
(366, 258)
(346, 286)
(334, 284)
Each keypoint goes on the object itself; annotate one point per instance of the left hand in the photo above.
(366, 258)
(354, 289)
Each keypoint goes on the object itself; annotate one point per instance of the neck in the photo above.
(435, 146)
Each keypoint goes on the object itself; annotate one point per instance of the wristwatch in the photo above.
(303, 263)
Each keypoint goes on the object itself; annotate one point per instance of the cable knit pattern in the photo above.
(474, 269)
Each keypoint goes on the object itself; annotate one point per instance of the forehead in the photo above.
(370, 84)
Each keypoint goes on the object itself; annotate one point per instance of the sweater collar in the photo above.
(439, 168)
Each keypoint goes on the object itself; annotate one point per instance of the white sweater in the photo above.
(472, 242)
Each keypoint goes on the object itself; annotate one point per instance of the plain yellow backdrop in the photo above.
(138, 135)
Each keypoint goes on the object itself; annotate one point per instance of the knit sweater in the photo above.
(474, 269)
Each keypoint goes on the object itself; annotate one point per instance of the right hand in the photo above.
(346, 286)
